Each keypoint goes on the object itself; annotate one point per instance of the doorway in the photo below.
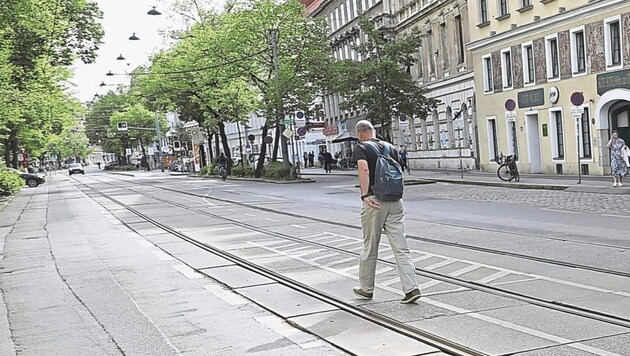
(533, 143)
(620, 120)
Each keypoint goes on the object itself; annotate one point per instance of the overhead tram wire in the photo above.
(194, 70)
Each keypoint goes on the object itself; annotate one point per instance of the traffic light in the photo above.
(177, 146)
(122, 126)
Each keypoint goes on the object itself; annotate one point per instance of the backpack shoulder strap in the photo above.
(373, 147)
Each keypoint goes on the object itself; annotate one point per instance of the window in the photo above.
(493, 140)
(526, 3)
(585, 127)
(445, 46)
(431, 52)
(345, 16)
(557, 137)
(461, 51)
(578, 51)
(483, 11)
(353, 9)
(503, 8)
(488, 79)
(420, 63)
(506, 66)
(553, 59)
(612, 32)
(528, 64)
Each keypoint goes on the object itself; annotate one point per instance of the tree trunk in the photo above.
(7, 152)
(216, 144)
(13, 147)
(263, 153)
(226, 147)
(276, 143)
(144, 156)
(210, 144)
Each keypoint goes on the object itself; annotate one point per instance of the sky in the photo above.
(121, 18)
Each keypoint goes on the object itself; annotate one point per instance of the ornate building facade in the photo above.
(553, 81)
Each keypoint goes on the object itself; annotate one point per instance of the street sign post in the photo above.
(128, 151)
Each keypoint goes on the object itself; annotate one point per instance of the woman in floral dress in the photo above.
(617, 162)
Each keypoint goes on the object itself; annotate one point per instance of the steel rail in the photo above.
(553, 305)
(438, 342)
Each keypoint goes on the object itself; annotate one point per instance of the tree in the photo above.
(38, 39)
(380, 84)
(141, 123)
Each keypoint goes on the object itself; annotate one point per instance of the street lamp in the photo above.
(120, 58)
(110, 74)
(154, 12)
(134, 37)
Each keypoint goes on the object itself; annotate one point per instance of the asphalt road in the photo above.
(502, 271)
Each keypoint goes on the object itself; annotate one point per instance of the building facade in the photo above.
(443, 68)
(553, 81)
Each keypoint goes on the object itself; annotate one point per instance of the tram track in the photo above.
(444, 345)
(431, 240)
(552, 305)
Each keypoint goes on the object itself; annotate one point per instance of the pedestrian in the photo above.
(320, 158)
(99, 165)
(305, 156)
(328, 160)
(311, 159)
(618, 158)
(403, 159)
(379, 214)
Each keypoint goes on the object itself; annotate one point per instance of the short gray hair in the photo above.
(363, 126)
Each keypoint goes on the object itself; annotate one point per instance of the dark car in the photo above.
(75, 168)
(31, 179)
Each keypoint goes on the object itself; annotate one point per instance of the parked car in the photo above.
(75, 168)
(31, 179)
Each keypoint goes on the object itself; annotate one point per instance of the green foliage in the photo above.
(381, 83)
(207, 170)
(10, 183)
(277, 171)
(245, 171)
(121, 167)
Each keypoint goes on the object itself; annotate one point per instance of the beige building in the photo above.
(552, 79)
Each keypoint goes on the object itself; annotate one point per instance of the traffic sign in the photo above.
(128, 151)
(121, 126)
(287, 122)
(177, 145)
(577, 98)
(403, 121)
(301, 131)
(510, 115)
(251, 137)
(268, 139)
(287, 133)
(577, 111)
(510, 105)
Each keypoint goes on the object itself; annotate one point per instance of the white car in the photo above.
(75, 168)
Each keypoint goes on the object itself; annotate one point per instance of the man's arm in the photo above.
(364, 183)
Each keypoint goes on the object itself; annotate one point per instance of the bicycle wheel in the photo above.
(504, 173)
(517, 177)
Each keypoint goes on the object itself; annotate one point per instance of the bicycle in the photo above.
(508, 170)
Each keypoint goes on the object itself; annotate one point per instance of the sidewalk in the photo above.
(589, 184)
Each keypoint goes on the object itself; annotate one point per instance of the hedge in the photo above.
(10, 183)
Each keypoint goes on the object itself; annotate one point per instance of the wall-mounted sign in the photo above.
(544, 130)
(554, 95)
(531, 98)
(577, 98)
(613, 80)
(510, 105)
(331, 130)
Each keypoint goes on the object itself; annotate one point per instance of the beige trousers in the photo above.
(390, 218)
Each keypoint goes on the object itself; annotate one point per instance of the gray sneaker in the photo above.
(411, 297)
(361, 293)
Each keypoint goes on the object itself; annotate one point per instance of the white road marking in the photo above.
(295, 335)
(227, 296)
(163, 256)
(189, 199)
(323, 257)
(298, 226)
(617, 216)
(561, 211)
(298, 249)
(494, 276)
(439, 264)
(231, 210)
(272, 220)
(144, 243)
(422, 258)
(187, 271)
(347, 244)
(266, 197)
(383, 270)
(250, 215)
(343, 260)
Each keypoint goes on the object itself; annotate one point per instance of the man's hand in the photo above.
(372, 203)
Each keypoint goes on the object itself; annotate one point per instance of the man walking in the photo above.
(377, 215)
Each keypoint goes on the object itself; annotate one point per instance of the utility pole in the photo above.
(279, 112)
(159, 135)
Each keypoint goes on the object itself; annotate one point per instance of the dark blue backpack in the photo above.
(388, 176)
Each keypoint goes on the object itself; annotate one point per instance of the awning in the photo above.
(345, 136)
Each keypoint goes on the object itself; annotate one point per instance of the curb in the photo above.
(122, 174)
(503, 185)
(297, 181)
